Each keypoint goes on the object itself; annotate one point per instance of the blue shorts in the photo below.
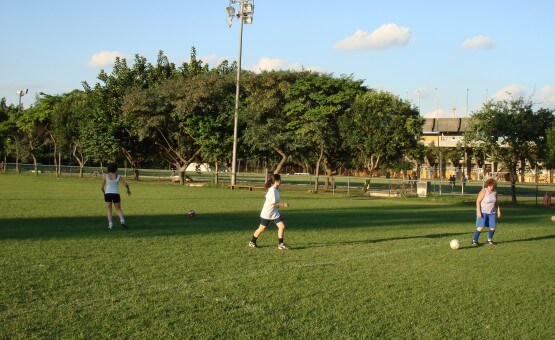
(265, 222)
(487, 221)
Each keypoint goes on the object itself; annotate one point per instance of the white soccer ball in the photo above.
(553, 218)
(455, 244)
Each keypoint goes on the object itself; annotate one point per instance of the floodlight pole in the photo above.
(20, 93)
(245, 11)
(236, 114)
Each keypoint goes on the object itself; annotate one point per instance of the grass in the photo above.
(358, 267)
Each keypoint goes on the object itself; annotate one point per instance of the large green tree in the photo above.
(185, 116)
(381, 129)
(512, 132)
(265, 124)
(315, 104)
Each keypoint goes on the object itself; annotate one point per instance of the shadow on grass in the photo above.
(547, 237)
(501, 243)
(342, 243)
(383, 216)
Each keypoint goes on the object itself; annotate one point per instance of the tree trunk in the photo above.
(59, 170)
(35, 164)
(283, 160)
(328, 176)
(317, 171)
(522, 170)
(216, 174)
(513, 183)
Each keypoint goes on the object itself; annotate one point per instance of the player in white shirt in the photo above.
(270, 211)
(110, 188)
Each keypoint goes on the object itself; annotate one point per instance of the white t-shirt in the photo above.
(112, 185)
(269, 211)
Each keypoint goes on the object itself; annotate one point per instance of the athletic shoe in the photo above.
(475, 243)
(252, 244)
(110, 225)
(490, 242)
(282, 246)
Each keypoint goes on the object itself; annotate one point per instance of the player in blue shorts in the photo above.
(487, 211)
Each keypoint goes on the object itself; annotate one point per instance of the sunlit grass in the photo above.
(358, 268)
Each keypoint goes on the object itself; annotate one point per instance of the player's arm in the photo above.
(478, 201)
(126, 185)
(498, 208)
(281, 204)
(103, 183)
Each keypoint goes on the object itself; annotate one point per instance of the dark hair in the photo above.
(112, 167)
(271, 178)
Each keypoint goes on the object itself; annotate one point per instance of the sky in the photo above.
(445, 57)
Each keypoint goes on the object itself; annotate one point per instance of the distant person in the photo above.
(270, 211)
(110, 188)
(464, 179)
(487, 211)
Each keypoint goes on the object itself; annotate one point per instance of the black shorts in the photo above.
(114, 198)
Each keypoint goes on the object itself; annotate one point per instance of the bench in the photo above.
(248, 187)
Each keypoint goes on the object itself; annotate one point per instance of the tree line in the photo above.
(152, 115)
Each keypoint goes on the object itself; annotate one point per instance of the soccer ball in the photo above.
(455, 244)
(191, 213)
(553, 218)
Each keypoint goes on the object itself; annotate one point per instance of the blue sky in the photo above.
(440, 54)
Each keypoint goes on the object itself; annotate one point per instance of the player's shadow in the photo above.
(547, 237)
(343, 243)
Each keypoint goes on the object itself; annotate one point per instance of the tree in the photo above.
(315, 103)
(381, 128)
(7, 130)
(550, 148)
(33, 123)
(512, 132)
(265, 123)
(183, 116)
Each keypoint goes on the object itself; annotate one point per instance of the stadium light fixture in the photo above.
(21, 93)
(244, 13)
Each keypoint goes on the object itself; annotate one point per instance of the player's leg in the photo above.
(492, 224)
(281, 231)
(120, 214)
(258, 231)
(109, 214)
(480, 224)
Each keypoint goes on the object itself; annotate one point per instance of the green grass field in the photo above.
(358, 267)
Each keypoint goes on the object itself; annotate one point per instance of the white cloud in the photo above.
(105, 58)
(509, 92)
(546, 97)
(211, 60)
(478, 42)
(385, 37)
(268, 64)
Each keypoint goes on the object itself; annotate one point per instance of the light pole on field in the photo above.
(244, 13)
(21, 93)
